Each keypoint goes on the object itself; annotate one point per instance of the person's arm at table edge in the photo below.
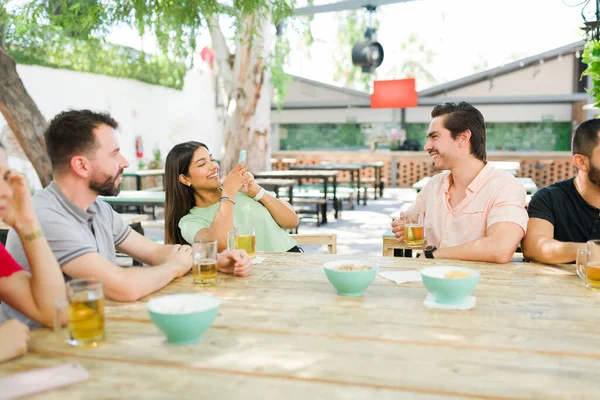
(122, 284)
(281, 211)
(539, 244)
(497, 247)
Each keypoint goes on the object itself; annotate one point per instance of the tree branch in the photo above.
(222, 53)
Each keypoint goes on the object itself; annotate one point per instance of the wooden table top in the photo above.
(136, 197)
(284, 332)
(145, 172)
(297, 174)
(328, 166)
(275, 182)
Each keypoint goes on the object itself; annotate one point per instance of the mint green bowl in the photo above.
(449, 291)
(183, 317)
(351, 283)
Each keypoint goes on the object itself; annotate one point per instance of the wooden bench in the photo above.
(327, 239)
(319, 210)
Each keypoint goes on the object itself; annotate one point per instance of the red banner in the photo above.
(398, 93)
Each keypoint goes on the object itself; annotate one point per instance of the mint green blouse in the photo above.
(269, 235)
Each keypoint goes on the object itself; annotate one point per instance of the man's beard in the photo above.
(106, 186)
(594, 175)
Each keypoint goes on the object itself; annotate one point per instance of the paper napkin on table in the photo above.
(467, 304)
(400, 277)
(258, 260)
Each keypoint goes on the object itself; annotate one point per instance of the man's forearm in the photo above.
(137, 282)
(486, 249)
(550, 251)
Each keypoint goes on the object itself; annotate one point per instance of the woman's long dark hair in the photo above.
(179, 199)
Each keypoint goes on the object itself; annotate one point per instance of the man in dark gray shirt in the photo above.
(84, 232)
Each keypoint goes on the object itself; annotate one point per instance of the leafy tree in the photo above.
(412, 58)
(175, 24)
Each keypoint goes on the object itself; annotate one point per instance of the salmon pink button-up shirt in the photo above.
(493, 196)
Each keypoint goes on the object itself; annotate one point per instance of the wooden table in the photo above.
(528, 183)
(513, 167)
(273, 185)
(138, 198)
(352, 168)
(322, 175)
(139, 174)
(284, 332)
(378, 169)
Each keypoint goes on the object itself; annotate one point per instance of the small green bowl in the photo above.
(183, 317)
(449, 290)
(351, 283)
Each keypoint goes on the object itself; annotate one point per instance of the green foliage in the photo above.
(535, 136)
(44, 46)
(70, 33)
(415, 58)
(591, 57)
(279, 78)
(321, 136)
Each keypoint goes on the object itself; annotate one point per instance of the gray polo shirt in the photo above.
(71, 233)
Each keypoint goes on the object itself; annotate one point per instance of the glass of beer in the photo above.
(414, 233)
(245, 239)
(588, 264)
(204, 269)
(84, 310)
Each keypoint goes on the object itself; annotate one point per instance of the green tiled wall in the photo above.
(542, 136)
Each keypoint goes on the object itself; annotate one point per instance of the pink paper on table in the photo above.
(41, 380)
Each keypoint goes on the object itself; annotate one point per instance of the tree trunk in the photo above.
(249, 108)
(24, 118)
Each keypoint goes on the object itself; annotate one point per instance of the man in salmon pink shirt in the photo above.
(472, 211)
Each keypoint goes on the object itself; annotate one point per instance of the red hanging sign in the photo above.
(397, 93)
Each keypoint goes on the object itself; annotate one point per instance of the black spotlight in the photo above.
(368, 54)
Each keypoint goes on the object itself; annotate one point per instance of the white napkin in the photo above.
(467, 304)
(258, 260)
(400, 277)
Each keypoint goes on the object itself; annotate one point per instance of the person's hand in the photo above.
(250, 188)
(235, 180)
(398, 229)
(19, 208)
(181, 258)
(14, 336)
(235, 262)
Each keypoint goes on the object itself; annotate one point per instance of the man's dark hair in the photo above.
(585, 138)
(461, 117)
(72, 132)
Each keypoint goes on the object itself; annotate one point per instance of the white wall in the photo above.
(162, 116)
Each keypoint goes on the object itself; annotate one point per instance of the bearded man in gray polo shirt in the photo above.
(84, 232)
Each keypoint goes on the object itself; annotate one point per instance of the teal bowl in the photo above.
(449, 290)
(183, 317)
(351, 283)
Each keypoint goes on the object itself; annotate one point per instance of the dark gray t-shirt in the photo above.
(71, 233)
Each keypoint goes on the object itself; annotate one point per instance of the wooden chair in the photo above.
(329, 240)
(390, 244)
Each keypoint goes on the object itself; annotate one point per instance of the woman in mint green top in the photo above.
(197, 203)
